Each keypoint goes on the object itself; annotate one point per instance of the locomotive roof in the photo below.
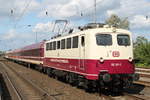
(96, 30)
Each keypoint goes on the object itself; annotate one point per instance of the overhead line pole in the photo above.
(94, 11)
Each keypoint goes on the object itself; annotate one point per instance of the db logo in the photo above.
(115, 54)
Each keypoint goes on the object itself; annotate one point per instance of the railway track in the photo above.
(143, 72)
(144, 76)
(125, 96)
(17, 95)
(138, 97)
(24, 88)
(1, 92)
(61, 90)
(139, 92)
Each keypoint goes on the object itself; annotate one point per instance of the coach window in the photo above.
(63, 44)
(82, 41)
(50, 47)
(58, 44)
(54, 45)
(68, 43)
(75, 42)
(104, 39)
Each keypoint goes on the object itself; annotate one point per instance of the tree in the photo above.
(114, 20)
(142, 51)
(140, 40)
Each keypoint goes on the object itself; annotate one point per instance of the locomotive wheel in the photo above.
(67, 78)
(89, 86)
(28, 65)
(117, 90)
(49, 72)
(70, 79)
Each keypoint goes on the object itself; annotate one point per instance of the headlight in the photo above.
(101, 59)
(130, 59)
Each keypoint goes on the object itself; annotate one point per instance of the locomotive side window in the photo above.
(104, 39)
(47, 46)
(58, 44)
(75, 42)
(68, 43)
(50, 46)
(54, 45)
(82, 41)
(123, 39)
(63, 44)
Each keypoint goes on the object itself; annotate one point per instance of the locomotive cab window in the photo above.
(123, 40)
(104, 39)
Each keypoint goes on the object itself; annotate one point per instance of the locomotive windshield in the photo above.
(104, 39)
(123, 39)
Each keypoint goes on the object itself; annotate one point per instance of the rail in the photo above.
(27, 85)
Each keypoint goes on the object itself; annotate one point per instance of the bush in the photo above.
(142, 51)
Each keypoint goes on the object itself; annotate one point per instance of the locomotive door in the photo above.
(82, 52)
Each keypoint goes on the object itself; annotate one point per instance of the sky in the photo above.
(24, 22)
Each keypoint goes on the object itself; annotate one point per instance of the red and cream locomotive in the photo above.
(96, 56)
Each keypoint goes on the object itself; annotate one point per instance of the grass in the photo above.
(142, 65)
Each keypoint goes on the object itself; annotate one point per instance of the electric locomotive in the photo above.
(96, 56)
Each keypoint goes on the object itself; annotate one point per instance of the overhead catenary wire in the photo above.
(81, 13)
(23, 12)
(93, 6)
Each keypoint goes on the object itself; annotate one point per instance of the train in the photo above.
(97, 56)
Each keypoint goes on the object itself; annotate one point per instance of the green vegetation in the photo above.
(142, 52)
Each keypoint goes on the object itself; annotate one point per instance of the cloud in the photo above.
(59, 9)
(130, 8)
(14, 9)
(73, 8)
(140, 22)
(43, 27)
(14, 34)
(11, 34)
(49, 29)
(135, 11)
(13, 39)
